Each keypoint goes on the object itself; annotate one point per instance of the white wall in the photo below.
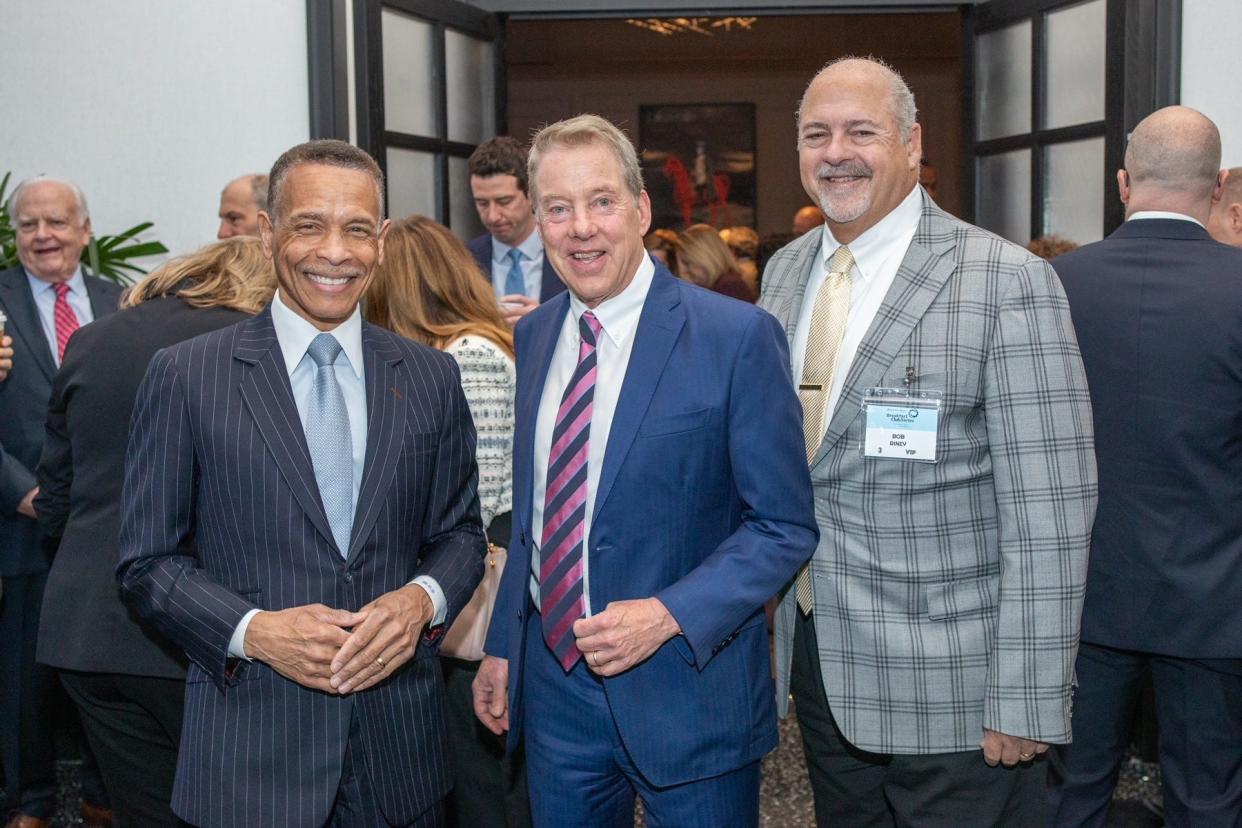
(1211, 66)
(149, 105)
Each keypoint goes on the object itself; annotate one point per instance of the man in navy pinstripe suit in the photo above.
(309, 607)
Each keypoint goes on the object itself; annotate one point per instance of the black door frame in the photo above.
(1142, 74)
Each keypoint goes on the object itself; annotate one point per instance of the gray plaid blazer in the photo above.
(948, 595)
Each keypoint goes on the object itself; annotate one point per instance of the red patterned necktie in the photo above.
(64, 317)
(564, 510)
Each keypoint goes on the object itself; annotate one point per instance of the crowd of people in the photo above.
(342, 520)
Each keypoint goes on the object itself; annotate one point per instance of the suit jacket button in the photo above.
(349, 577)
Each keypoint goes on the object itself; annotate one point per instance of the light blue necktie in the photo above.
(515, 282)
(329, 440)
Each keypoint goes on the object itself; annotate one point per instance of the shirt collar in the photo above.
(1162, 214)
(77, 284)
(618, 316)
(876, 244)
(530, 248)
(295, 334)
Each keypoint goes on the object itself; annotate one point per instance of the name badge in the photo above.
(901, 424)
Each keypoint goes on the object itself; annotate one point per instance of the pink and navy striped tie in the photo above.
(564, 511)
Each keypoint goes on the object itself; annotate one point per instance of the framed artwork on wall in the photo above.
(699, 163)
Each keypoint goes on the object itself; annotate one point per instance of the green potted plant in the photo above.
(111, 257)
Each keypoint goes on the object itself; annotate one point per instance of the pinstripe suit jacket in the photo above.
(217, 451)
(948, 595)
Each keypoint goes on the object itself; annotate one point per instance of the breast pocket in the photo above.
(664, 425)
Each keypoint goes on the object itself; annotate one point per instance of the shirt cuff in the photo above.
(237, 642)
(437, 598)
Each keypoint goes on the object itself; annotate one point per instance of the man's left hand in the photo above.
(386, 639)
(626, 633)
(1001, 748)
(6, 357)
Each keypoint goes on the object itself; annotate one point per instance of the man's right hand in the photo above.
(491, 694)
(6, 357)
(300, 642)
(26, 507)
(514, 306)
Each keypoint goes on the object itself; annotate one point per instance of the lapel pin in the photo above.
(397, 393)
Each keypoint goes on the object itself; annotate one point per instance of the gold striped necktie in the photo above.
(823, 343)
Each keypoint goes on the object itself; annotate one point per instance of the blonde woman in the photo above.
(706, 261)
(126, 681)
(429, 290)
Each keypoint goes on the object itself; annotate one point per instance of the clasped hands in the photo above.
(625, 634)
(338, 651)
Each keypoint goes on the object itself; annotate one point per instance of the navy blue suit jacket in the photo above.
(23, 411)
(217, 451)
(704, 501)
(1158, 310)
(481, 249)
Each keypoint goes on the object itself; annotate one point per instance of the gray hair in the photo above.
(329, 152)
(79, 197)
(581, 131)
(258, 190)
(900, 98)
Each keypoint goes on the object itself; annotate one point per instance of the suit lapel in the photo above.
(24, 319)
(534, 360)
(659, 324)
(787, 304)
(387, 405)
(922, 273)
(103, 302)
(267, 395)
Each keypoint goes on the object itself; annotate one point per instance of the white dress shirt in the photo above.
(294, 335)
(45, 301)
(618, 318)
(1162, 214)
(532, 265)
(878, 253)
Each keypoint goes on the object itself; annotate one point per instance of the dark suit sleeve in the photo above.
(778, 531)
(16, 481)
(159, 575)
(453, 541)
(55, 472)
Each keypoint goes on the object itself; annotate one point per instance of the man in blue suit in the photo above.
(661, 496)
(511, 252)
(299, 508)
(1158, 310)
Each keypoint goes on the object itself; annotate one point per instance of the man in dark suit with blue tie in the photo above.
(660, 497)
(324, 469)
(511, 252)
(45, 299)
(1158, 310)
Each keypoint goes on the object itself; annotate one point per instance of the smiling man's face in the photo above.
(50, 232)
(327, 241)
(851, 156)
(591, 224)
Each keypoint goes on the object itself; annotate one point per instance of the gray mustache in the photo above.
(849, 168)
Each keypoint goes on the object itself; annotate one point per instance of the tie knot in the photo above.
(61, 289)
(515, 256)
(324, 349)
(589, 328)
(842, 260)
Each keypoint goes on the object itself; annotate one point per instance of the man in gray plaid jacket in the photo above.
(930, 644)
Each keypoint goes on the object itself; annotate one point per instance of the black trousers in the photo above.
(27, 694)
(854, 788)
(489, 789)
(1199, 721)
(133, 725)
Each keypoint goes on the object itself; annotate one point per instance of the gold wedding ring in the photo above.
(594, 660)
(1026, 757)
(380, 661)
